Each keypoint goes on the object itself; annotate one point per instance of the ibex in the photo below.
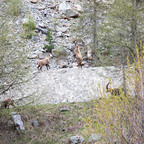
(7, 102)
(114, 91)
(44, 62)
(89, 54)
(77, 55)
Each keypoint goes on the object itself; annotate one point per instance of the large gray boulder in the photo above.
(18, 122)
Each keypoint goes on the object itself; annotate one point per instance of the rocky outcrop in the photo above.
(58, 84)
(67, 85)
(51, 16)
(18, 122)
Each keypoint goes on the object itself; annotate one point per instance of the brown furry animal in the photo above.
(44, 62)
(78, 56)
(7, 102)
(115, 91)
(89, 54)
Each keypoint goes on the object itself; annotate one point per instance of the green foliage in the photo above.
(55, 21)
(120, 118)
(109, 118)
(51, 123)
(29, 27)
(59, 52)
(13, 7)
(28, 34)
(48, 48)
(110, 27)
(29, 24)
(49, 38)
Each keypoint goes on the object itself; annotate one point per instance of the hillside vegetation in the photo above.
(93, 90)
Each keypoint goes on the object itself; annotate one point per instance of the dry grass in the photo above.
(55, 127)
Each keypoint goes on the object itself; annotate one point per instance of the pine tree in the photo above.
(89, 28)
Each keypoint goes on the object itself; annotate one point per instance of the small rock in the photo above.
(34, 56)
(37, 52)
(70, 65)
(71, 46)
(34, 1)
(35, 72)
(41, 49)
(52, 2)
(59, 34)
(26, 66)
(94, 137)
(25, 21)
(71, 12)
(35, 123)
(63, 129)
(65, 101)
(126, 135)
(65, 109)
(63, 64)
(34, 38)
(61, 29)
(62, 71)
(42, 25)
(13, 113)
(43, 31)
(42, 7)
(74, 64)
(63, 6)
(68, 10)
(10, 124)
(76, 139)
(44, 37)
(67, 35)
(78, 8)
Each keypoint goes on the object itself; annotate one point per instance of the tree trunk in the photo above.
(135, 29)
(124, 77)
(95, 42)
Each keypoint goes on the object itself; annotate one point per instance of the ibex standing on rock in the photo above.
(77, 55)
(44, 62)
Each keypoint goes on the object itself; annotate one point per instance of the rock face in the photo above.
(53, 17)
(68, 85)
(58, 84)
